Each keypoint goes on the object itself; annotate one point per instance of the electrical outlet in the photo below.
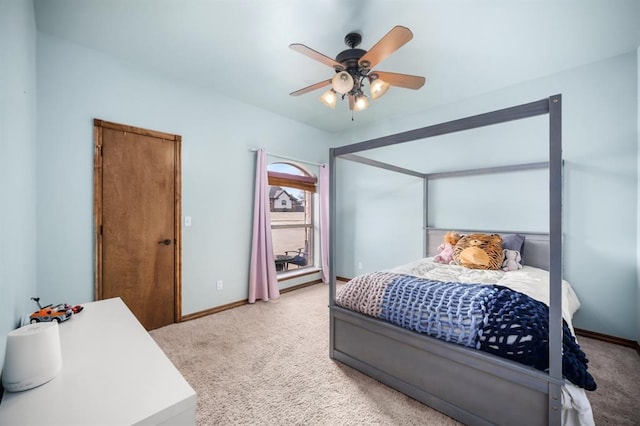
(360, 265)
(219, 285)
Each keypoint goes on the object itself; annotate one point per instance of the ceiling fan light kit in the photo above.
(329, 98)
(378, 88)
(361, 103)
(353, 67)
(342, 82)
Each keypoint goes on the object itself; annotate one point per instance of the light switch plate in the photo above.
(187, 221)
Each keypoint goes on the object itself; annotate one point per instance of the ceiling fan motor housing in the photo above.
(349, 58)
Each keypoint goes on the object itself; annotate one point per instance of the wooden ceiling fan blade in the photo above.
(311, 88)
(392, 41)
(401, 80)
(313, 54)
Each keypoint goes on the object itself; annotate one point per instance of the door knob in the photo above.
(166, 242)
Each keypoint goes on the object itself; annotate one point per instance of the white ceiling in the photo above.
(240, 47)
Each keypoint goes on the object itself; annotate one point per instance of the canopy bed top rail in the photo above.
(381, 165)
(518, 112)
(488, 170)
(448, 174)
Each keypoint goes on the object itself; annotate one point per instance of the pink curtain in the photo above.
(324, 221)
(263, 282)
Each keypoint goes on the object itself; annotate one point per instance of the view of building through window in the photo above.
(291, 217)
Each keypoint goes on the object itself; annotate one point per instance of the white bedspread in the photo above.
(534, 282)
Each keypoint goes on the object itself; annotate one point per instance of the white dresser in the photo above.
(113, 373)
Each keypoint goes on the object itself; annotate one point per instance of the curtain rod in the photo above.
(287, 158)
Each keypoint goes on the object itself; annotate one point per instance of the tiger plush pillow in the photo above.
(479, 251)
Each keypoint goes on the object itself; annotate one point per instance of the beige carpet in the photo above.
(268, 364)
(616, 370)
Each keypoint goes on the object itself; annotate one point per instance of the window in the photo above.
(291, 193)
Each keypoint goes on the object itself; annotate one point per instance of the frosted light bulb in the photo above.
(378, 88)
(342, 82)
(329, 98)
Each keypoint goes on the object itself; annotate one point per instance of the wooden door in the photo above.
(137, 218)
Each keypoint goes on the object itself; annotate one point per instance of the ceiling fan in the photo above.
(353, 68)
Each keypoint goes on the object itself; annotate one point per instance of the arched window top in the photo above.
(287, 168)
(291, 176)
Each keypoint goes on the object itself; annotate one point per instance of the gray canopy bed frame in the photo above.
(471, 386)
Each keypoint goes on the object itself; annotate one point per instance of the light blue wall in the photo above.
(17, 165)
(76, 85)
(379, 219)
(600, 141)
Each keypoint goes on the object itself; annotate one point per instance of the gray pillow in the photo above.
(513, 242)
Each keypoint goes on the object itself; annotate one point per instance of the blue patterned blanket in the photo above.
(490, 318)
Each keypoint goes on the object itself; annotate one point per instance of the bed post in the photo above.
(425, 224)
(332, 246)
(555, 258)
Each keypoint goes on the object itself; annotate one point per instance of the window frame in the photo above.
(308, 184)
